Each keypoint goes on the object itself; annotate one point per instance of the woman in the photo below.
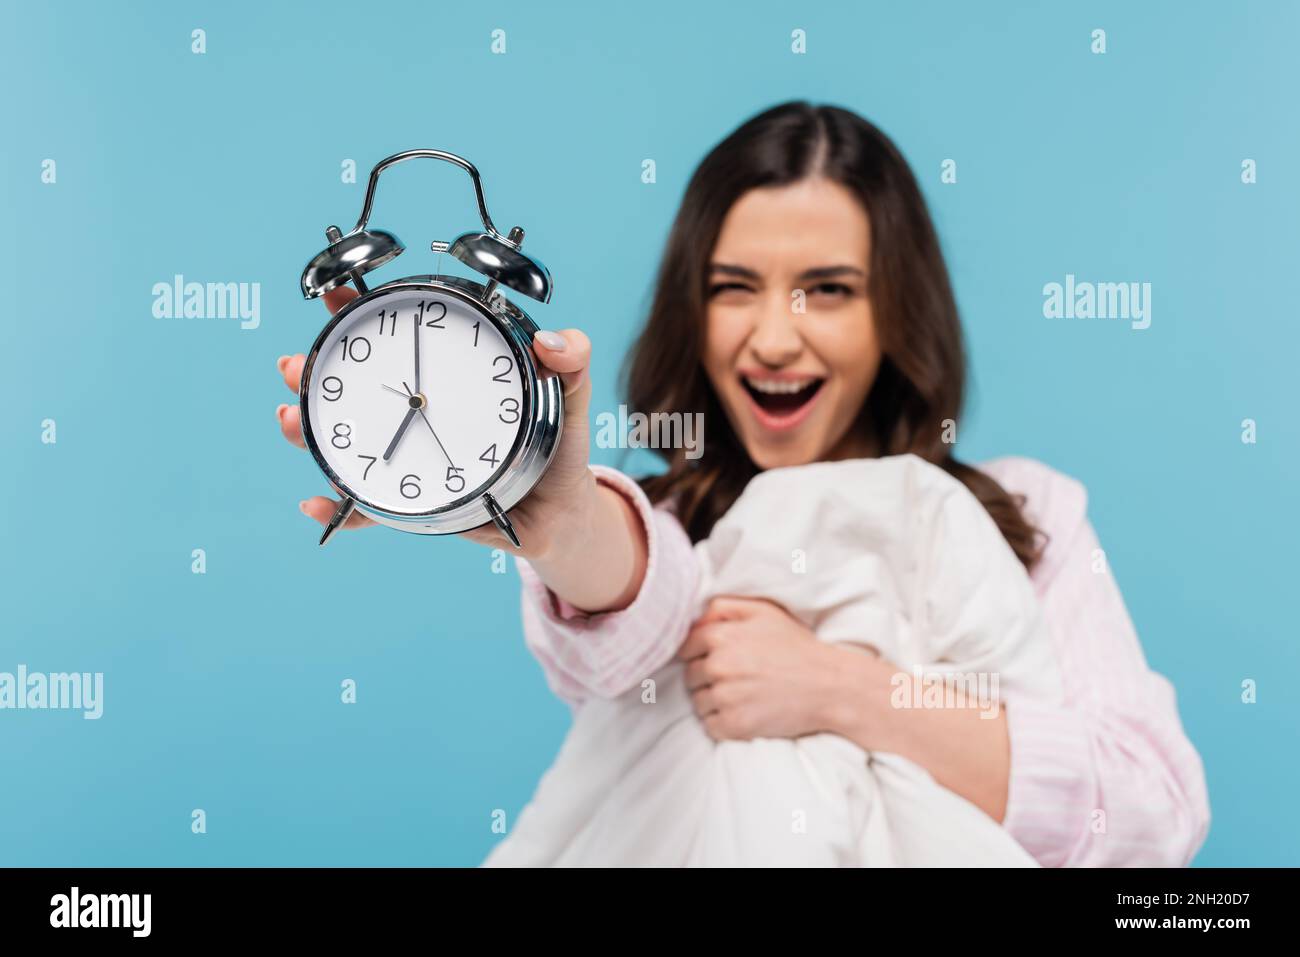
(804, 307)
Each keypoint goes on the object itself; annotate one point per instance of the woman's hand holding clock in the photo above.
(585, 541)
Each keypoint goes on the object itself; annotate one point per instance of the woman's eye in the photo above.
(721, 287)
(837, 289)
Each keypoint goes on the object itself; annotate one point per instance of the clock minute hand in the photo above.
(438, 440)
(414, 397)
(401, 430)
(419, 319)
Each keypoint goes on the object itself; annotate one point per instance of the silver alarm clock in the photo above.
(421, 400)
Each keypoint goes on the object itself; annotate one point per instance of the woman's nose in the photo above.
(775, 340)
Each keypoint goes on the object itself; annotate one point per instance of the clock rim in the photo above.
(533, 448)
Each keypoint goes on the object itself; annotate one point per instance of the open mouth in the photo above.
(781, 403)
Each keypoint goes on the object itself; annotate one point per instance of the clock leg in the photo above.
(502, 522)
(340, 516)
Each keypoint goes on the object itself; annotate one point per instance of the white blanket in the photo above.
(892, 553)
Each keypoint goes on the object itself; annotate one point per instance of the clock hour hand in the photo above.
(401, 430)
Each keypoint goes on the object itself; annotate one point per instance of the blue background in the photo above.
(222, 690)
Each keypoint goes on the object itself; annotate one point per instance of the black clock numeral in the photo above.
(343, 431)
(476, 325)
(502, 376)
(392, 317)
(511, 405)
(373, 460)
(490, 455)
(352, 351)
(332, 392)
(410, 482)
(426, 310)
(455, 481)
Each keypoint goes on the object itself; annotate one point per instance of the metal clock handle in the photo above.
(452, 158)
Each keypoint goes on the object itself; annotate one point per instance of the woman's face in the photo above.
(792, 371)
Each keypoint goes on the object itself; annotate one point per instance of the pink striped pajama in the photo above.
(1108, 779)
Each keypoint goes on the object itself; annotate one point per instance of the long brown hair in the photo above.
(922, 371)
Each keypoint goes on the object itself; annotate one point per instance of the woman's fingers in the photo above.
(318, 507)
(291, 424)
(727, 608)
(698, 674)
(291, 366)
(567, 352)
(336, 299)
(291, 370)
(322, 510)
(703, 638)
(704, 701)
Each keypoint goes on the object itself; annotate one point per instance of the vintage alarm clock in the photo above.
(421, 400)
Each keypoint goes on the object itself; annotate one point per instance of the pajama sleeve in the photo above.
(1108, 779)
(605, 654)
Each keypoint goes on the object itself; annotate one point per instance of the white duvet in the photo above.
(892, 553)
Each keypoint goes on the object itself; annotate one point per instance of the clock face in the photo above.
(415, 401)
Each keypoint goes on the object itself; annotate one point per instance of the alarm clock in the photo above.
(421, 399)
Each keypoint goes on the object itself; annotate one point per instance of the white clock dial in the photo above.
(405, 440)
